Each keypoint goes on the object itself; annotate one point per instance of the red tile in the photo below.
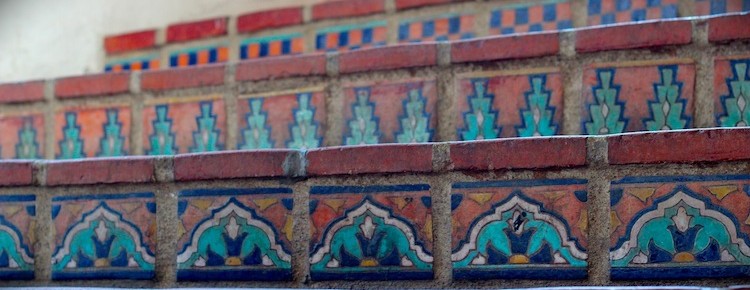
(406, 4)
(183, 131)
(130, 41)
(207, 75)
(706, 145)
(93, 85)
(231, 164)
(197, 30)
(638, 35)
(391, 57)
(16, 173)
(281, 67)
(22, 92)
(269, 19)
(519, 153)
(347, 8)
(390, 158)
(505, 47)
(91, 122)
(28, 125)
(731, 27)
(279, 112)
(100, 171)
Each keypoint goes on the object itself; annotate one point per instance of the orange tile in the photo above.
(467, 23)
(355, 37)
(415, 30)
(154, 64)
(535, 14)
(274, 48)
(253, 50)
(623, 17)
(298, 45)
(733, 6)
(563, 11)
(608, 6)
(637, 4)
(332, 40)
(549, 26)
(136, 66)
(182, 60)
(378, 34)
(442, 26)
(222, 54)
(202, 57)
(117, 68)
(508, 18)
(653, 13)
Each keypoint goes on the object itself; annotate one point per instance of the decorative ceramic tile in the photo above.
(92, 132)
(23, 136)
(275, 45)
(638, 96)
(282, 120)
(527, 229)
(351, 37)
(17, 222)
(235, 234)
(678, 227)
(508, 104)
(440, 28)
(371, 232)
(106, 236)
(133, 64)
(617, 11)
(184, 125)
(732, 91)
(706, 7)
(199, 55)
(390, 112)
(531, 17)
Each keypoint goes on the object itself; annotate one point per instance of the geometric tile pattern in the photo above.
(732, 91)
(351, 37)
(638, 96)
(680, 227)
(508, 104)
(380, 232)
(23, 136)
(711, 7)
(275, 45)
(200, 55)
(519, 18)
(17, 222)
(184, 125)
(390, 112)
(137, 64)
(282, 120)
(441, 28)
(235, 234)
(520, 229)
(104, 236)
(92, 132)
(603, 12)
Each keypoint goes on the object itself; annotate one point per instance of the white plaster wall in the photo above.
(41, 39)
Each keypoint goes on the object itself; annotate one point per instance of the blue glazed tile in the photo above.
(371, 232)
(17, 221)
(235, 234)
(104, 236)
(520, 229)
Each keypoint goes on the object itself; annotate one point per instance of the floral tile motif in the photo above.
(638, 96)
(603, 12)
(235, 234)
(104, 236)
(17, 222)
(199, 55)
(508, 104)
(520, 229)
(732, 91)
(82, 132)
(274, 45)
(371, 232)
(351, 37)
(23, 136)
(390, 112)
(531, 17)
(677, 227)
(184, 125)
(440, 28)
(282, 120)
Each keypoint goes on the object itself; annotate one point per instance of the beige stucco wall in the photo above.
(52, 38)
